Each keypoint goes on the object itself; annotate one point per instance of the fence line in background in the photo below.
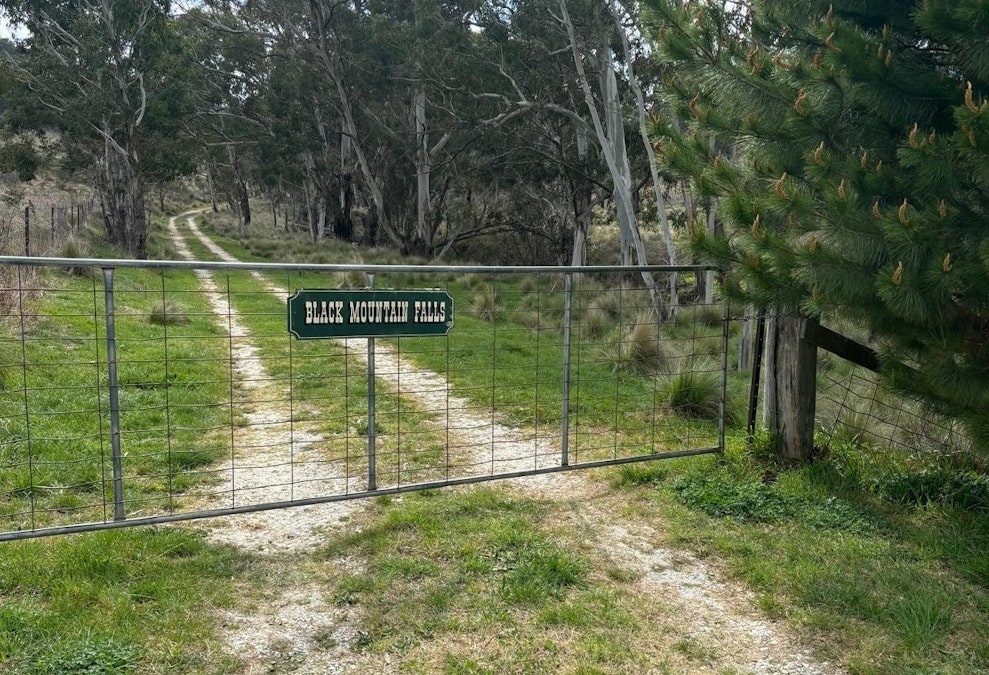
(32, 229)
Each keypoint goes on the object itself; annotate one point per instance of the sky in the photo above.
(6, 31)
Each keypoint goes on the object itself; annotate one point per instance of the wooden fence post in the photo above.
(791, 386)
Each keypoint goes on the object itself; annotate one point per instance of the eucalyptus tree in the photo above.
(584, 77)
(231, 120)
(100, 71)
(402, 72)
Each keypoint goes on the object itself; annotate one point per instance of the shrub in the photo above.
(528, 317)
(484, 302)
(469, 281)
(635, 348)
(694, 392)
(543, 311)
(709, 316)
(530, 284)
(353, 278)
(595, 322)
(608, 302)
(73, 247)
(167, 314)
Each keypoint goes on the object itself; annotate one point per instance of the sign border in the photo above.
(448, 323)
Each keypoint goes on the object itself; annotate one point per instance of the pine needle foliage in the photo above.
(848, 145)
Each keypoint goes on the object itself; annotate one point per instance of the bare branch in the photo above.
(144, 100)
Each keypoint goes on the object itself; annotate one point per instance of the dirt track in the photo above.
(285, 626)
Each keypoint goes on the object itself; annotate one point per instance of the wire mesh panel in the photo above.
(51, 408)
(854, 406)
(150, 392)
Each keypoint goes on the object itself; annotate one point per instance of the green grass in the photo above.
(508, 360)
(882, 586)
(173, 394)
(878, 560)
(444, 569)
(115, 602)
(694, 392)
(328, 387)
(134, 601)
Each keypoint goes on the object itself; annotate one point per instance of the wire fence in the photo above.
(853, 404)
(856, 407)
(41, 224)
(134, 393)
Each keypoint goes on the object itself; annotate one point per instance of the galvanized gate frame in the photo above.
(109, 266)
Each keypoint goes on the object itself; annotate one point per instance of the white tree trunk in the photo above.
(612, 143)
(332, 67)
(657, 183)
(345, 147)
(582, 208)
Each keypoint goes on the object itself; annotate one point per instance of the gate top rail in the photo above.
(39, 261)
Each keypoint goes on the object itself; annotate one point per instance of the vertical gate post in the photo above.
(565, 428)
(111, 369)
(791, 386)
(27, 230)
(372, 467)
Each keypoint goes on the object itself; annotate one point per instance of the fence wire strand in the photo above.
(856, 406)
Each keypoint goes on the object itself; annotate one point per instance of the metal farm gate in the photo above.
(145, 392)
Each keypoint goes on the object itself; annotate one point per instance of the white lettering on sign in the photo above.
(325, 314)
(324, 311)
(429, 311)
(377, 311)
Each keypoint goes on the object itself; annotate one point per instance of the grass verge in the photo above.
(484, 581)
(138, 601)
(879, 585)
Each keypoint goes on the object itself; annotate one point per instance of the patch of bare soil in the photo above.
(716, 616)
(275, 461)
(702, 612)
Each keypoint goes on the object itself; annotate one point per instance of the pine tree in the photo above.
(860, 186)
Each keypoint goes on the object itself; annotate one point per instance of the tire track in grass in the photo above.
(273, 459)
(717, 617)
(510, 449)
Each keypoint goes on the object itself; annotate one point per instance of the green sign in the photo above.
(315, 314)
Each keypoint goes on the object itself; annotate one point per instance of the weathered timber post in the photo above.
(791, 386)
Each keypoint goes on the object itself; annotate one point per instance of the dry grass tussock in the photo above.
(636, 347)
